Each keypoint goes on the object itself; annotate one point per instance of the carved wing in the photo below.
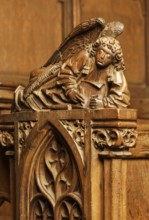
(82, 35)
(60, 81)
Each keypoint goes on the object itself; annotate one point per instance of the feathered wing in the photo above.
(54, 86)
(82, 36)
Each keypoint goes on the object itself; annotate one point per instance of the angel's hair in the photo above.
(114, 46)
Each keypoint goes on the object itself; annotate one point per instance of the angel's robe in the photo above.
(81, 74)
(90, 80)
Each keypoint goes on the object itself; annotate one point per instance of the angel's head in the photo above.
(108, 51)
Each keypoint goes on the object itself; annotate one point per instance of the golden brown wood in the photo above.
(70, 9)
(137, 26)
(107, 189)
(87, 71)
(115, 189)
(6, 97)
(30, 33)
(137, 189)
(112, 188)
(146, 8)
(60, 166)
(10, 71)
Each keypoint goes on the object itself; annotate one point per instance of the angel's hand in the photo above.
(96, 102)
(75, 96)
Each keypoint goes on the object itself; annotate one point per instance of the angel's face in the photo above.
(104, 57)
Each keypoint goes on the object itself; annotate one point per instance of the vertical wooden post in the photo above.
(70, 15)
(111, 140)
(107, 189)
(10, 155)
(96, 186)
(118, 185)
(115, 193)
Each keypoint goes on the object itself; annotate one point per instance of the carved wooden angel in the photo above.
(87, 71)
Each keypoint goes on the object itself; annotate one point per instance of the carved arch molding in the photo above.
(51, 169)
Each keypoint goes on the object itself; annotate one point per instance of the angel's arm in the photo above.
(70, 72)
(118, 95)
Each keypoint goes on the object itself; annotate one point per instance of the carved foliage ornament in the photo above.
(114, 139)
(24, 129)
(76, 129)
(6, 139)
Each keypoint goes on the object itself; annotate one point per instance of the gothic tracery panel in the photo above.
(55, 188)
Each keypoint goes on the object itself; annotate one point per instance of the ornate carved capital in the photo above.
(6, 139)
(114, 132)
(24, 129)
(117, 140)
